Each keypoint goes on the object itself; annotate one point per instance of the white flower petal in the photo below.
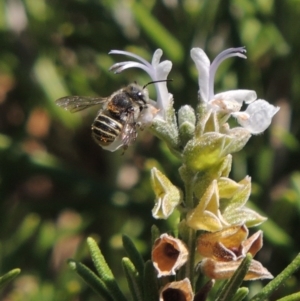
(137, 57)
(262, 105)
(163, 99)
(119, 67)
(230, 52)
(226, 105)
(247, 96)
(202, 63)
(257, 117)
(156, 57)
(163, 69)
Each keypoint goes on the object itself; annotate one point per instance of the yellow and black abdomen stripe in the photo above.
(105, 129)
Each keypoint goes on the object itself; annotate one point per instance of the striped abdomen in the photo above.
(105, 129)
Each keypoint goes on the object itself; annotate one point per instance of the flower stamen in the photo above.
(231, 52)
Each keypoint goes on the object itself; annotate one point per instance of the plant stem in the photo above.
(189, 266)
(189, 196)
(190, 238)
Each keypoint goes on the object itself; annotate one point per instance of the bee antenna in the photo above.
(158, 81)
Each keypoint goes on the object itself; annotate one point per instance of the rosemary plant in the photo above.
(212, 239)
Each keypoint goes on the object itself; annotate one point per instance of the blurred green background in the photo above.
(57, 186)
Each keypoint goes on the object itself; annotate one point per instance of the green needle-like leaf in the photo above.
(133, 255)
(91, 279)
(293, 297)
(241, 293)
(104, 271)
(150, 282)
(133, 279)
(231, 287)
(273, 285)
(9, 276)
(26, 229)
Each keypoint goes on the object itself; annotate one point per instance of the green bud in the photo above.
(187, 121)
(167, 130)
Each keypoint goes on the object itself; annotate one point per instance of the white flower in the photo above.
(157, 70)
(257, 117)
(259, 113)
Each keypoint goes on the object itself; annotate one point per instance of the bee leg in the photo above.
(124, 149)
(143, 107)
(139, 126)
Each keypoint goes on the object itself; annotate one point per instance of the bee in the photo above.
(116, 122)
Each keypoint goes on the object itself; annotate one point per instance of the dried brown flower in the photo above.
(177, 291)
(168, 255)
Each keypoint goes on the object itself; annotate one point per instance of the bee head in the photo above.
(137, 93)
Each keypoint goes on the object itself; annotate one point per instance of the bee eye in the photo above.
(141, 96)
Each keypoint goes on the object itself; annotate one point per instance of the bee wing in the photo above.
(129, 133)
(79, 103)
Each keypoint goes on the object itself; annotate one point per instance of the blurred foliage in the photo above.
(57, 186)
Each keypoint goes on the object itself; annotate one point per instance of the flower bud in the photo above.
(187, 121)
